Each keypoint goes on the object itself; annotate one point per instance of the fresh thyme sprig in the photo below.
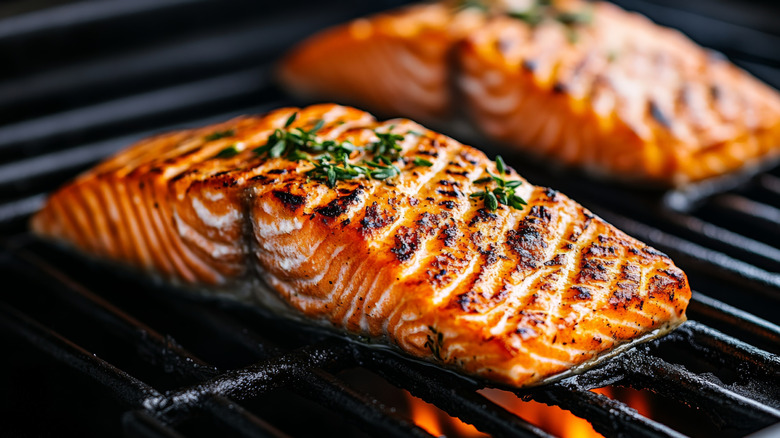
(422, 162)
(503, 193)
(468, 4)
(291, 143)
(216, 135)
(386, 147)
(535, 13)
(330, 170)
(331, 159)
(229, 152)
(542, 10)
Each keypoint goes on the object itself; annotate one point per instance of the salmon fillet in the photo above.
(395, 63)
(586, 84)
(627, 98)
(417, 261)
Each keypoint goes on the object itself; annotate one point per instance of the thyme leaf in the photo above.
(503, 193)
(216, 135)
(386, 145)
(331, 159)
(434, 342)
(228, 152)
(422, 162)
(291, 119)
(534, 13)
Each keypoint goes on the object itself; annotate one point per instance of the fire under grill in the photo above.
(98, 351)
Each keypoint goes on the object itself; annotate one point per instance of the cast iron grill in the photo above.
(82, 80)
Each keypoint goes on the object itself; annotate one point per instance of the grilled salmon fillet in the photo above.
(512, 295)
(396, 63)
(624, 97)
(586, 84)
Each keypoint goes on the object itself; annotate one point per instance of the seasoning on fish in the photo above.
(628, 98)
(395, 63)
(514, 292)
(583, 83)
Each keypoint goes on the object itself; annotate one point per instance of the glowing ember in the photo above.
(629, 396)
(437, 422)
(552, 419)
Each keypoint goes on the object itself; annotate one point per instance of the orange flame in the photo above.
(437, 422)
(631, 397)
(552, 419)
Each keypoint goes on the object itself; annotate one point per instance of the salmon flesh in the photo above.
(512, 295)
(586, 84)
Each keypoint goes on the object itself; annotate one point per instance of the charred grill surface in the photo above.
(102, 352)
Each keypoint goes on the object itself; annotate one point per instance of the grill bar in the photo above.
(19, 209)
(731, 351)
(316, 384)
(771, 184)
(702, 258)
(753, 251)
(61, 102)
(380, 418)
(145, 106)
(448, 393)
(158, 64)
(151, 344)
(319, 386)
(239, 420)
(140, 423)
(76, 14)
(125, 387)
(763, 219)
(441, 392)
(720, 404)
(711, 308)
(26, 171)
(609, 417)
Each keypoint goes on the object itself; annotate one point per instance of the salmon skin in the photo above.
(513, 295)
(585, 84)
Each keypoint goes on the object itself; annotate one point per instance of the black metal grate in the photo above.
(85, 79)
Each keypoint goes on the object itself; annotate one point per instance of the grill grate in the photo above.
(308, 370)
(178, 365)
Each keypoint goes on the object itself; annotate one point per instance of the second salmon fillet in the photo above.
(586, 84)
(409, 237)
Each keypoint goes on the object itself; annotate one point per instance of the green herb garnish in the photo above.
(467, 4)
(330, 171)
(228, 152)
(422, 162)
(534, 13)
(331, 159)
(434, 342)
(216, 135)
(291, 143)
(386, 145)
(583, 16)
(503, 193)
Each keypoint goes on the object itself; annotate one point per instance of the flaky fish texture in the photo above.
(513, 296)
(628, 97)
(585, 84)
(396, 63)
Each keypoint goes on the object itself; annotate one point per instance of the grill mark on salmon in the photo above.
(628, 99)
(408, 49)
(516, 296)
